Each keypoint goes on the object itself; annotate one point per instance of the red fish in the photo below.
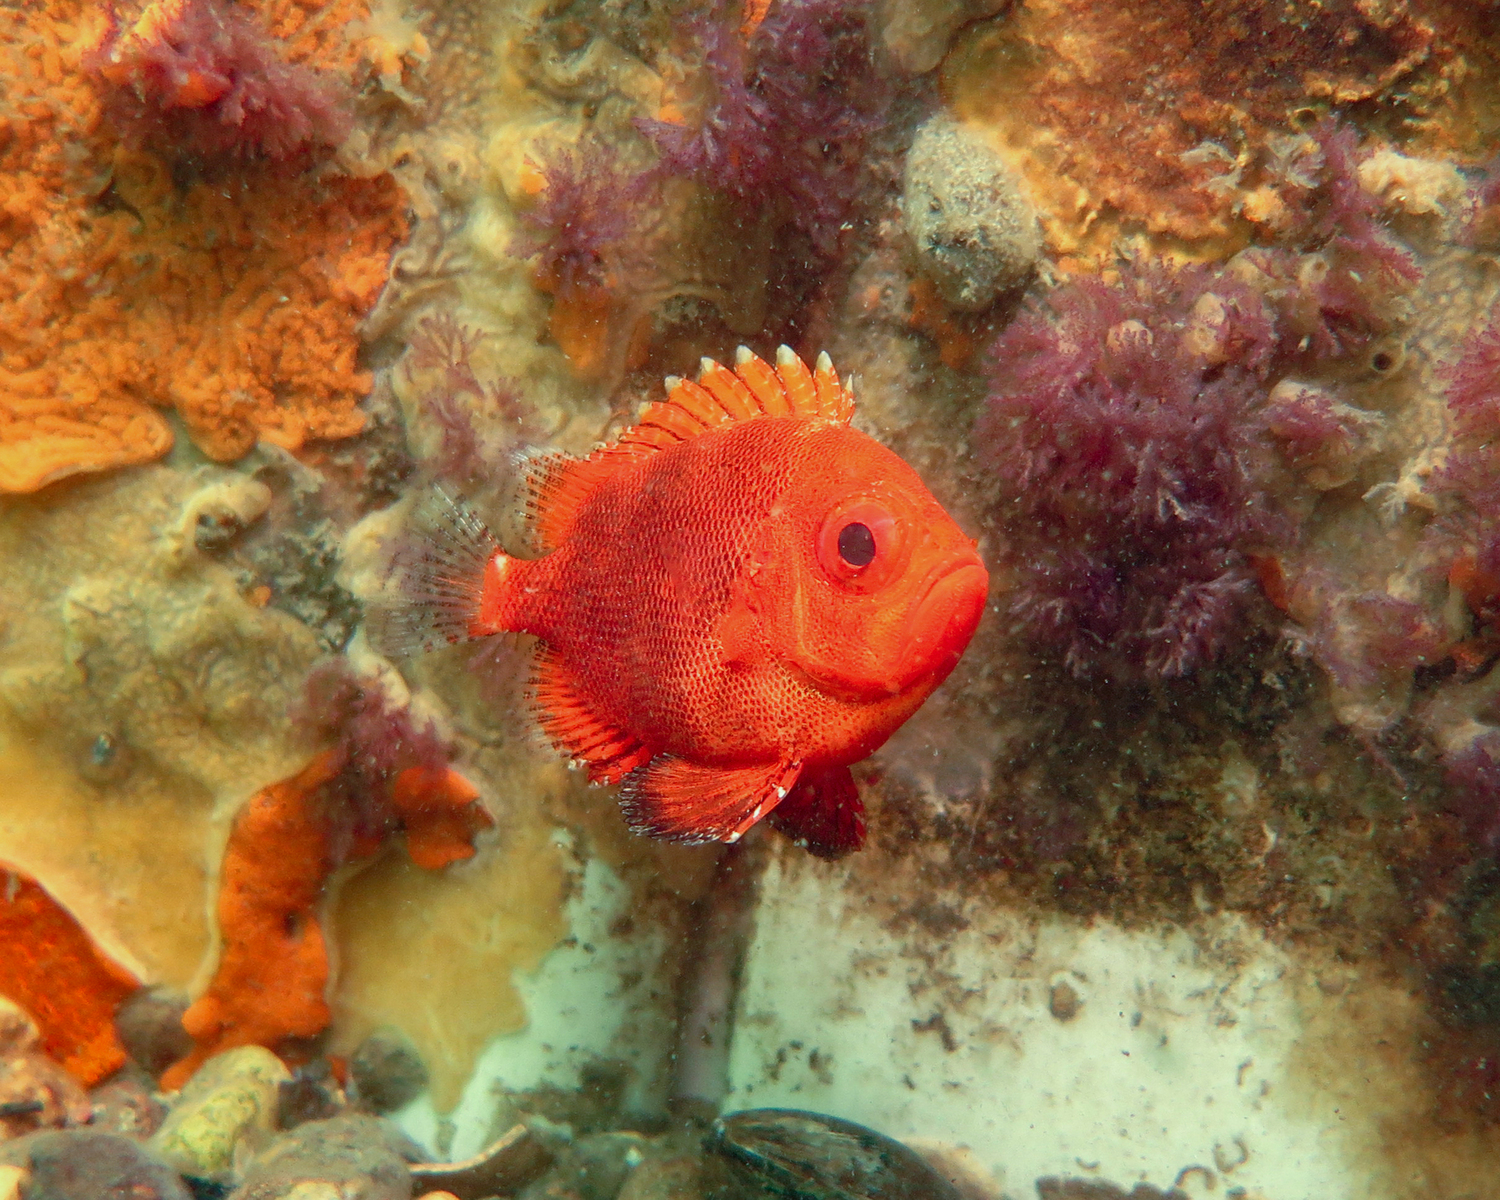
(736, 600)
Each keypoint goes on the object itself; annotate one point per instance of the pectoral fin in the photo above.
(689, 802)
(739, 634)
(823, 812)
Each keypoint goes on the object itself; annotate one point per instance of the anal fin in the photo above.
(575, 729)
(692, 803)
(823, 812)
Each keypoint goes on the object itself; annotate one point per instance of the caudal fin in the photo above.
(435, 592)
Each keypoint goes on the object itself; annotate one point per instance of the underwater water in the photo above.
(671, 600)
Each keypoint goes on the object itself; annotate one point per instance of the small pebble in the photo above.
(227, 1109)
(353, 1157)
(678, 1178)
(127, 1105)
(386, 1072)
(35, 1093)
(312, 1094)
(149, 1025)
(1063, 1001)
(592, 1168)
(84, 1164)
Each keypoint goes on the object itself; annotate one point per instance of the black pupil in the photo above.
(856, 544)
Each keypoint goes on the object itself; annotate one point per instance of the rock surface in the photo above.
(387, 1071)
(35, 1093)
(223, 1115)
(975, 233)
(82, 1164)
(345, 1158)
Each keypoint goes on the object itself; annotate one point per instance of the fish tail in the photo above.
(445, 581)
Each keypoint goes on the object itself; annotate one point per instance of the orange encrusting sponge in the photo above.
(234, 299)
(270, 984)
(53, 970)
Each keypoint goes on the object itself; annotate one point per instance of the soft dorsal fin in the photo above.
(559, 484)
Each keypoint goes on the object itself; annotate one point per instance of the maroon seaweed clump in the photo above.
(1467, 534)
(1473, 778)
(376, 738)
(205, 76)
(790, 112)
(1124, 437)
(443, 350)
(592, 207)
(1331, 289)
(1473, 395)
(1368, 640)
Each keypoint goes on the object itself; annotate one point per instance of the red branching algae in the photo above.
(440, 367)
(204, 76)
(762, 155)
(1472, 774)
(376, 737)
(1135, 106)
(1469, 484)
(1127, 451)
(590, 204)
(1129, 426)
(1320, 435)
(1366, 639)
(1333, 288)
(592, 228)
(788, 115)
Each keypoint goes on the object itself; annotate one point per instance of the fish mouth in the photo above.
(941, 625)
(935, 635)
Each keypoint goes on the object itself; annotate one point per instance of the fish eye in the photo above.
(856, 544)
(862, 545)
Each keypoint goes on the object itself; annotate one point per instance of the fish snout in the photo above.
(944, 620)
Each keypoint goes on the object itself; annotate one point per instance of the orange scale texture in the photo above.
(234, 300)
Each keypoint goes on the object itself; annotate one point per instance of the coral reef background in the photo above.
(1187, 310)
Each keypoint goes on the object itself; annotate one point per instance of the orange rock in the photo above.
(270, 983)
(123, 291)
(441, 812)
(52, 969)
(956, 339)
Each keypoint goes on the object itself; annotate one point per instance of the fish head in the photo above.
(871, 592)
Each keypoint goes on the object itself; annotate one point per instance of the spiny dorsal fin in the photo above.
(559, 484)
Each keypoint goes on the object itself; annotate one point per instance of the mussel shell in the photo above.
(793, 1155)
